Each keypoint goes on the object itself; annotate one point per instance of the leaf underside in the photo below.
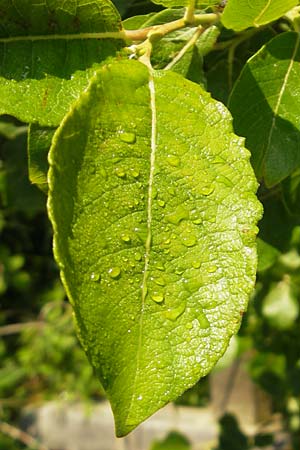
(154, 232)
(48, 54)
(265, 107)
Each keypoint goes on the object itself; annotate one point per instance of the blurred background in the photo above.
(47, 387)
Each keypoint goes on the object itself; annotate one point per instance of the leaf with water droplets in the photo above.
(173, 244)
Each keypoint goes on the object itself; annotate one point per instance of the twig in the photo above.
(15, 328)
(20, 435)
(184, 49)
(162, 30)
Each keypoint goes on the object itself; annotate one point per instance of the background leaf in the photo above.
(154, 232)
(241, 14)
(174, 3)
(41, 76)
(174, 441)
(265, 107)
(39, 143)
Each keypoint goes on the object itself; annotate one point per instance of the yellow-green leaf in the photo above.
(241, 14)
(154, 232)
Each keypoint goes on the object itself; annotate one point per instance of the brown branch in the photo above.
(20, 435)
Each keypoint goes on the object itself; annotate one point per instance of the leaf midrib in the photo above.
(281, 92)
(144, 288)
(70, 36)
(260, 15)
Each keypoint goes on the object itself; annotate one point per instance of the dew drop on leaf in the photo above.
(95, 276)
(157, 297)
(160, 281)
(207, 190)
(178, 215)
(125, 238)
(173, 160)
(128, 137)
(138, 257)
(174, 313)
(135, 173)
(120, 172)
(114, 272)
(189, 241)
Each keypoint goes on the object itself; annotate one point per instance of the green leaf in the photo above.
(154, 232)
(39, 143)
(265, 108)
(49, 52)
(280, 306)
(241, 14)
(291, 193)
(267, 255)
(17, 193)
(174, 441)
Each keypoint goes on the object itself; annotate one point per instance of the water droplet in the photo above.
(173, 160)
(161, 203)
(189, 326)
(197, 221)
(196, 264)
(114, 272)
(140, 397)
(206, 190)
(135, 173)
(211, 269)
(160, 281)
(138, 257)
(189, 241)
(128, 137)
(120, 172)
(95, 276)
(178, 215)
(128, 331)
(203, 321)
(174, 313)
(224, 180)
(157, 297)
(125, 238)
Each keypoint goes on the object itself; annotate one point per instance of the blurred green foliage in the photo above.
(39, 352)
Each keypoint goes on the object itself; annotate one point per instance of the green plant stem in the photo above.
(237, 40)
(18, 327)
(159, 31)
(184, 49)
(190, 12)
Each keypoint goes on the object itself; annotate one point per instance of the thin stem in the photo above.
(18, 327)
(20, 435)
(190, 13)
(159, 31)
(187, 46)
(237, 40)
